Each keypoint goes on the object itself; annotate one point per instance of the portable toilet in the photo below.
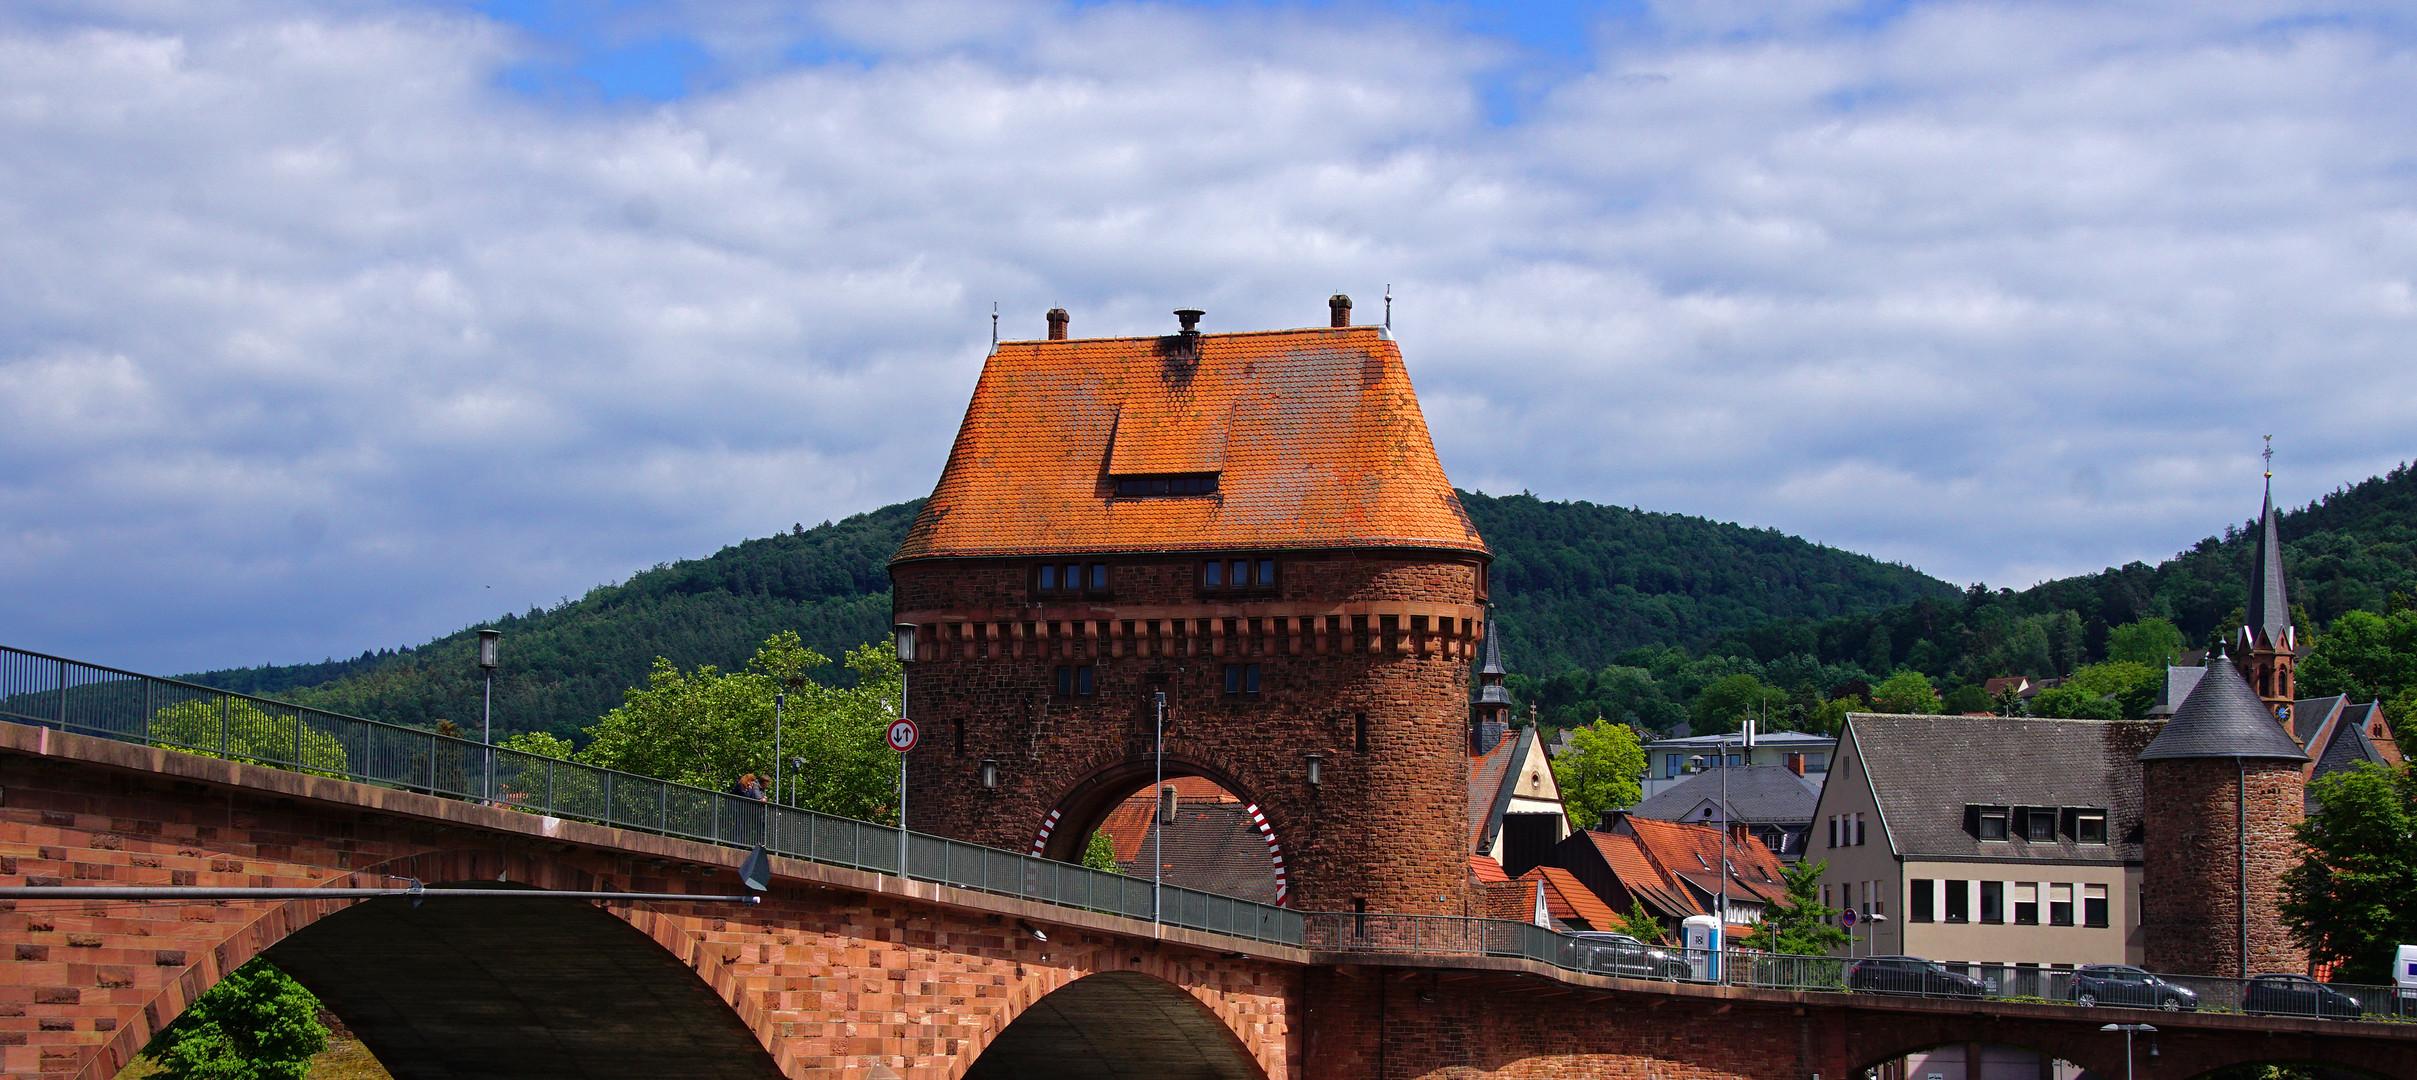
(1700, 934)
(2404, 975)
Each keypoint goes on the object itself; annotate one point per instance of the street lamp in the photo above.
(1317, 767)
(2127, 1030)
(990, 774)
(487, 640)
(1158, 786)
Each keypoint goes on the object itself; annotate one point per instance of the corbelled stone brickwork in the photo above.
(2190, 878)
(1362, 658)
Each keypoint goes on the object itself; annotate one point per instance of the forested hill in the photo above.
(1576, 583)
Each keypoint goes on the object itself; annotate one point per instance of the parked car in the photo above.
(1911, 975)
(1625, 956)
(2122, 984)
(2297, 995)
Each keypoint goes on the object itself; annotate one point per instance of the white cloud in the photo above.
(318, 337)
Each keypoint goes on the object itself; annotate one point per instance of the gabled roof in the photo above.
(2179, 682)
(1485, 869)
(1681, 853)
(2349, 741)
(2223, 718)
(2269, 613)
(1566, 898)
(1315, 436)
(1488, 792)
(1758, 795)
(1635, 871)
(1925, 770)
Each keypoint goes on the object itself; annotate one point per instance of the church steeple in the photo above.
(2267, 638)
(1493, 699)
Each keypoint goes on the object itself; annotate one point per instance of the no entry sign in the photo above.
(902, 735)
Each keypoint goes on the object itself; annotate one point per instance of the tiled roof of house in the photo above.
(1675, 867)
(1212, 846)
(2223, 718)
(1315, 436)
(1758, 795)
(1567, 899)
(1925, 770)
(1486, 869)
(1489, 787)
(1129, 823)
(1630, 864)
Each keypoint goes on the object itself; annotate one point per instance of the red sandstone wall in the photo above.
(2189, 883)
(1387, 828)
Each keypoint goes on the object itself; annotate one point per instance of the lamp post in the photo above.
(1158, 791)
(780, 698)
(487, 640)
(906, 655)
(2127, 1030)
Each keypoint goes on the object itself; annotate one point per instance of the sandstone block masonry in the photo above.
(2191, 876)
(1359, 656)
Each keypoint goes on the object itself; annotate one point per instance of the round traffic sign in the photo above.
(1847, 916)
(902, 735)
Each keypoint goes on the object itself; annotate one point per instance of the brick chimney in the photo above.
(1057, 324)
(1796, 764)
(1339, 306)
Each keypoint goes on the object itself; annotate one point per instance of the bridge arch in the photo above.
(1115, 1025)
(1085, 805)
(536, 988)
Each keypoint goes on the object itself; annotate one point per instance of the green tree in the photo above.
(541, 744)
(2367, 656)
(707, 728)
(1725, 702)
(2074, 703)
(1801, 926)
(1908, 691)
(2132, 686)
(1599, 772)
(1965, 699)
(1099, 853)
(1830, 717)
(1640, 924)
(248, 733)
(2348, 899)
(256, 1024)
(2154, 642)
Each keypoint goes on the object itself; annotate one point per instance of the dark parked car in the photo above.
(1911, 975)
(1625, 956)
(2297, 995)
(2119, 984)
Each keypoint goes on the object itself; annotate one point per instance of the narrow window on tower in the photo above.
(1141, 487)
(1049, 577)
(1359, 725)
(1082, 681)
(1212, 574)
(960, 726)
(1099, 577)
(1242, 680)
(1065, 682)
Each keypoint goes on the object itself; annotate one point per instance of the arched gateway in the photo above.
(1252, 527)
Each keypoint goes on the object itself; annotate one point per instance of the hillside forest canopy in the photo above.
(1653, 620)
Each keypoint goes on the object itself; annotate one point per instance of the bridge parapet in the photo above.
(87, 699)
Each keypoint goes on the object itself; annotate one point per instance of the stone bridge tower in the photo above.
(1254, 525)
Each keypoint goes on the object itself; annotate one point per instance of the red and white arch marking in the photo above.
(1258, 820)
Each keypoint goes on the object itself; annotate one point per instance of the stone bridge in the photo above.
(846, 974)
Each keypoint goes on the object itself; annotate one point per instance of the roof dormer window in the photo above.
(1144, 487)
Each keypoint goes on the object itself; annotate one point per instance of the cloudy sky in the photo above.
(327, 327)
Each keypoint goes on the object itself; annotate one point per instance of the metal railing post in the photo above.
(549, 787)
(225, 749)
(58, 709)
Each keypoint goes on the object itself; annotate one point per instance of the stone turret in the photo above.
(2221, 789)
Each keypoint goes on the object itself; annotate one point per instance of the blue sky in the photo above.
(335, 327)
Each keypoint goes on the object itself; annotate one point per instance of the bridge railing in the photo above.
(1450, 936)
(92, 700)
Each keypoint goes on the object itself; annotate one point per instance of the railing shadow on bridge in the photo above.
(91, 700)
(1601, 954)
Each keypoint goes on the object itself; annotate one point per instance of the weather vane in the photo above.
(2269, 456)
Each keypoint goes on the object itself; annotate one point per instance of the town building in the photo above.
(1202, 835)
(2005, 842)
(1253, 525)
(1668, 761)
(1673, 868)
(1773, 802)
(1515, 809)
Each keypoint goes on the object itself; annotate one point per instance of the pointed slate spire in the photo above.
(1490, 691)
(1492, 664)
(2223, 718)
(2269, 604)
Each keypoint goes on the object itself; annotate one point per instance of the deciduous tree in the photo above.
(1907, 691)
(2348, 899)
(256, 1024)
(1599, 772)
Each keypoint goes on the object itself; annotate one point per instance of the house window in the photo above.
(1993, 822)
(1816, 762)
(1134, 487)
(2026, 904)
(2089, 826)
(2039, 825)
(1959, 901)
(1993, 901)
(1237, 575)
(1242, 680)
(1833, 830)
(1859, 835)
(1074, 681)
(1067, 578)
(2093, 905)
(1918, 899)
(2060, 905)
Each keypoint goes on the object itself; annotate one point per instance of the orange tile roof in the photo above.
(1316, 436)
(1635, 870)
(1568, 899)
(1129, 823)
(1679, 848)
(1486, 869)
